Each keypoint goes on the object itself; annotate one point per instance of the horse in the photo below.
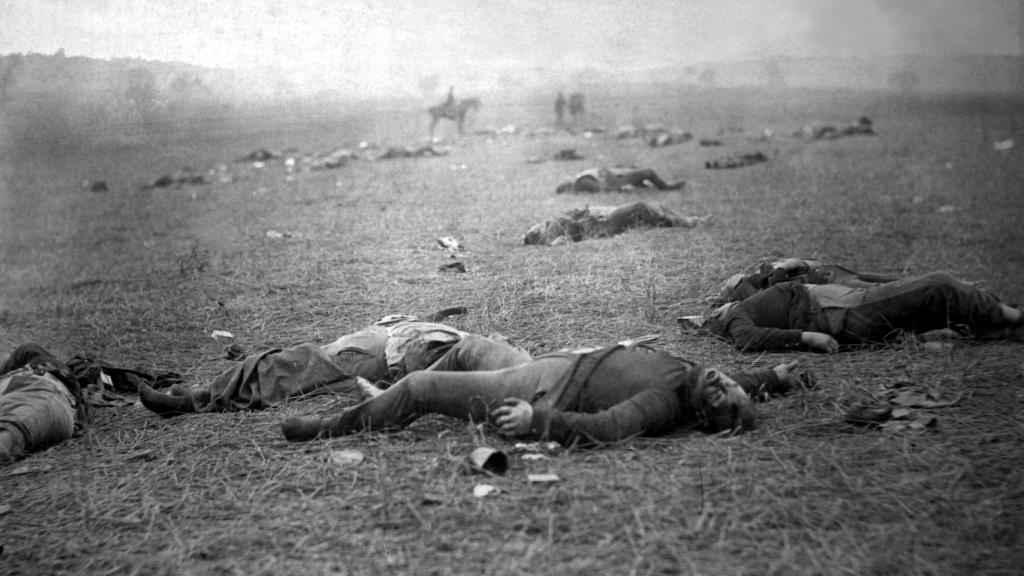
(455, 112)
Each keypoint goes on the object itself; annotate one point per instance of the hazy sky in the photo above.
(380, 40)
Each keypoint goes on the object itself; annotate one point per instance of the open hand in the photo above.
(514, 417)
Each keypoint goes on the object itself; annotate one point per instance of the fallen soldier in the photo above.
(824, 317)
(616, 180)
(662, 138)
(427, 151)
(741, 286)
(259, 155)
(861, 126)
(385, 351)
(561, 155)
(736, 161)
(599, 396)
(40, 402)
(600, 221)
(332, 160)
(180, 178)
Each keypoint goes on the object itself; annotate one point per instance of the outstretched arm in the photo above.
(763, 383)
(750, 337)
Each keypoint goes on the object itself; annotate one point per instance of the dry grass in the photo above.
(140, 278)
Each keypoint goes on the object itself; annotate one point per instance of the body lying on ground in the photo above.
(861, 126)
(384, 351)
(427, 151)
(616, 179)
(824, 317)
(737, 161)
(40, 402)
(741, 286)
(603, 395)
(598, 221)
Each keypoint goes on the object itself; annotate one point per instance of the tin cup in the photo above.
(484, 459)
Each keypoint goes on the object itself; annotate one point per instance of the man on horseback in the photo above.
(452, 109)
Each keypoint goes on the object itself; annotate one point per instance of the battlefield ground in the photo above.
(140, 277)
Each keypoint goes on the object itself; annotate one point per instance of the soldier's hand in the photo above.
(791, 375)
(819, 341)
(514, 417)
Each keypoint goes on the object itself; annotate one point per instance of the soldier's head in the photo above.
(536, 234)
(737, 288)
(564, 186)
(715, 321)
(721, 404)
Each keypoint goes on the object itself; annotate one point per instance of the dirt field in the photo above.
(141, 277)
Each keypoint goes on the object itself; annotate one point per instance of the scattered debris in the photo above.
(446, 313)
(936, 346)
(930, 399)
(545, 478)
(645, 339)
(484, 490)
(451, 246)
(346, 458)
(690, 322)
(217, 334)
(869, 414)
(707, 142)
(907, 420)
(896, 412)
(947, 209)
(487, 460)
(95, 185)
(234, 352)
(1003, 145)
(536, 446)
(458, 267)
(275, 235)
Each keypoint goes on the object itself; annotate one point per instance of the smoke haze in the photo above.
(373, 47)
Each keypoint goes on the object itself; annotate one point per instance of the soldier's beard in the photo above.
(723, 406)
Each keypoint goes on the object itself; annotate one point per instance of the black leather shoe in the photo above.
(165, 404)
